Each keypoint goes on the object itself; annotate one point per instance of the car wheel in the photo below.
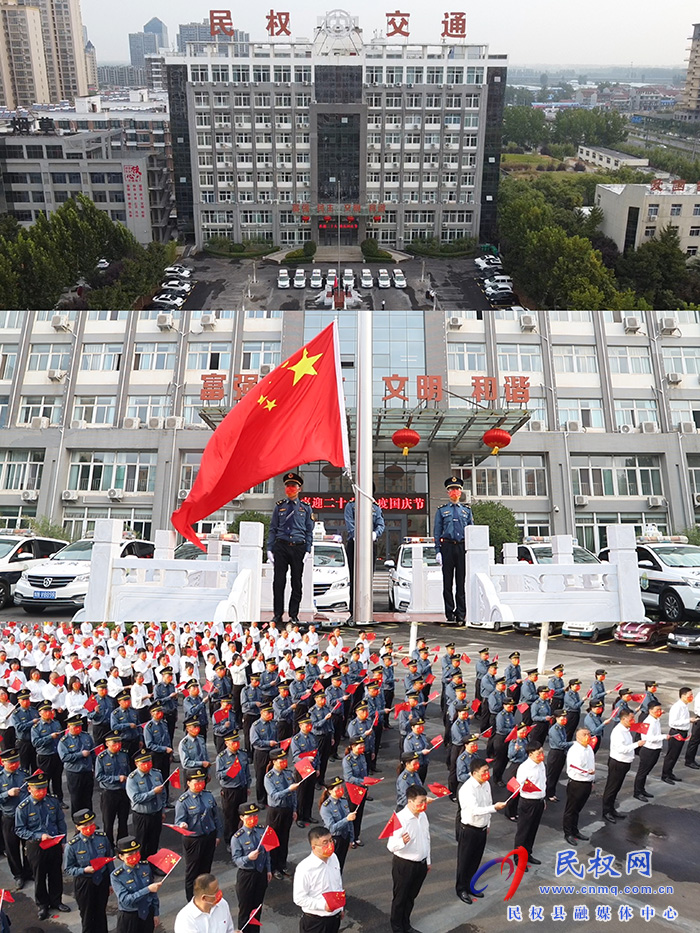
(33, 609)
(497, 626)
(596, 635)
(671, 606)
(5, 595)
(392, 604)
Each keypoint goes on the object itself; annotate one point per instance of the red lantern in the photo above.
(496, 438)
(350, 219)
(377, 218)
(327, 217)
(406, 438)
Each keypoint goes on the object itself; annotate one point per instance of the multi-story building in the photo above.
(100, 414)
(199, 35)
(293, 141)
(158, 28)
(140, 45)
(110, 76)
(635, 214)
(64, 47)
(23, 76)
(690, 102)
(41, 172)
(610, 159)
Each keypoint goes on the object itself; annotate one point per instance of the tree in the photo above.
(251, 516)
(656, 270)
(525, 127)
(590, 127)
(501, 522)
(45, 528)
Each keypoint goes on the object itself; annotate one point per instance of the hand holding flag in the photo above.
(334, 899)
(100, 862)
(391, 827)
(356, 794)
(180, 829)
(439, 790)
(164, 860)
(51, 841)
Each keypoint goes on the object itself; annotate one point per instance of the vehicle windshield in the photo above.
(687, 624)
(79, 550)
(327, 556)
(428, 556)
(6, 545)
(684, 555)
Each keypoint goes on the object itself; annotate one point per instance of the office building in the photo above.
(140, 45)
(197, 36)
(690, 102)
(635, 214)
(23, 75)
(64, 47)
(157, 28)
(100, 414)
(91, 64)
(315, 138)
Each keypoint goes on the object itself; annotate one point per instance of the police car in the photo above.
(401, 571)
(669, 576)
(20, 550)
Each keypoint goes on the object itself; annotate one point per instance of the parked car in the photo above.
(179, 270)
(501, 296)
(283, 278)
(102, 264)
(300, 279)
(401, 571)
(62, 581)
(316, 279)
(18, 553)
(383, 280)
(648, 632)
(348, 279)
(331, 277)
(366, 280)
(488, 262)
(178, 286)
(685, 636)
(168, 300)
(499, 281)
(399, 278)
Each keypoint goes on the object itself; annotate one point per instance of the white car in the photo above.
(300, 279)
(401, 571)
(331, 575)
(316, 279)
(498, 281)
(168, 300)
(366, 280)
(62, 581)
(383, 280)
(331, 276)
(348, 279)
(102, 264)
(178, 270)
(18, 553)
(283, 278)
(399, 279)
(178, 286)
(488, 262)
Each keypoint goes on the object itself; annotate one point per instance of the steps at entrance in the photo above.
(329, 255)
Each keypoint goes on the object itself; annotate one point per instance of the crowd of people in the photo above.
(89, 722)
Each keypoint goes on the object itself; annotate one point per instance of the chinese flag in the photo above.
(370, 781)
(433, 696)
(437, 741)
(16, 684)
(269, 839)
(207, 687)
(513, 687)
(295, 415)
(90, 704)
(305, 768)
(391, 827)
(351, 688)
(51, 841)
(99, 749)
(356, 794)
(475, 705)
(174, 779)
(317, 686)
(439, 790)
(220, 715)
(235, 768)
(513, 786)
(334, 899)
(617, 686)
(62, 679)
(370, 636)
(641, 727)
(374, 658)
(590, 691)
(405, 662)
(530, 788)
(430, 679)
(466, 659)
(594, 742)
(284, 744)
(399, 707)
(77, 665)
(487, 734)
(164, 860)
(522, 707)
(179, 829)
(512, 734)
(100, 862)
(6, 896)
(637, 697)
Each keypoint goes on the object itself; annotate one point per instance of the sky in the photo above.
(530, 32)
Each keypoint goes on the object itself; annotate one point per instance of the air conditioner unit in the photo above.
(537, 425)
(55, 375)
(183, 493)
(688, 427)
(528, 322)
(165, 321)
(674, 379)
(131, 424)
(655, 502)
(574, 427)
(60, 322)
(627, 429)
(69, 495)
(649, 427)
(264, 370)
(155, 424)
(174, 422)
(29, 495)
(37, 424)
(631, 325)
(668, 325)
(580, 501)
(78, 425)
(115, 493)
(696, 498)
(208, 321)
(455, 323)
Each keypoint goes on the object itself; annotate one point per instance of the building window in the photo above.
(676, 210)
(629, 360)
(95, 409)
(21, 469)
(101, 357)
(466, 357)
(148, 356)
(81, 522)
(616, 476)
(511, 476)
(107, 315)
(587, 411)
(634, 412)
(97, 471)
(258, 353)
(148, 406)
(191, 407)
(40, 406)
(10, 320)
(519, 358)
(681, 360)
(45, 356)
(575, 359)
(652, 211)
(8, 360)
(215, 355)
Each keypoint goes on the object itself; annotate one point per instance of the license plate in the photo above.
(524, 625)
(44, 594)
(683, 642)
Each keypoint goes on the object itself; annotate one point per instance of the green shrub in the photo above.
(309, 249)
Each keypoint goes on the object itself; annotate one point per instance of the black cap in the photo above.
(543, 689)
(143, 755)
(248, 809)
(574, 681)
(44, 705)
(509, 701)
(195, 774)
(10, 755)
(191, 683)
(232, 736)
(409, 756)
(532, 670)
(417, 722)
(192, 721)
(124, 695)
(450, 644)
(558, 667)
(101, 683)
(278, 753)
(83, 817)
(500, 680)
(334, 782)
(113, 737)
(156, 707)
(648, 684)
(454, 482)
(292, 477)
(483, 650)
(599, 671)
(38, 780)
(128, 844)
(514, 654)
(76, 720)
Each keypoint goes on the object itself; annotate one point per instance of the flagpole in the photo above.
(363, 501)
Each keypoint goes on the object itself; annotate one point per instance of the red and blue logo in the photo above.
(516, 869)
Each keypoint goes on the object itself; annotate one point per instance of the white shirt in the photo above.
(476, 803)
(313, 878)
(418, 846)
(580, 763)
(536, 772)
(193, 920)
(622, 744)
(139, 696)
(679, 716)
(654, 737)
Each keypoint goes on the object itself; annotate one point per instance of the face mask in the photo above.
(114, 749)
(421, 807)
(12, 766)
(250, 822)
(133, 859)
(282, 762)
(420, 730)
(329, 849)
(39, 794)
(339, 792)
(198, 786)
(89, 830)
(193, 730)
(145, 766)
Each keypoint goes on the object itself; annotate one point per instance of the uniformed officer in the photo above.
(193, 706)
(514, 675)
(253, 863)
(251, 703)
(361, 727)
(448, 530)
(269, 680)
(147, 795)
(650, 686)
(289, 541)
(482, 665)
(377, 532)
(135, 889)
(388, 686)
(165, 693)
(355, 772)
(192, 750)
(541, 713)
(557, 686)
(281, 793)
(125, 721)
(39, 818)
(305, 745)
(416, 742)
(45, 736)
(263, 738)
(13, 790)
(573, 702)
(101, 716)
(408, 776)
(322, 723)
(594, 722)
(76, 751)
(156, 738)
(598, 690)
(488, 686)
(528, 693)
(449, 661)
(226, 721)
(283, 710)
(23, 718)
(504, 725)
(337, 818)
(234, 787)
(558, 747)
(111, 772)
(91, 884)
(517, 754)
(464, 760)
(408, 716)
(459, 731)
(197, 811)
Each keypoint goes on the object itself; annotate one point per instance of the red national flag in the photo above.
(61, 680)
(495, 657)
(522, 707)
(51, 841)
(90, 704)
(300, 402)
(374, 658)
(191, 652)
(375, 721)
(351, 688)
(327, 668)
(234, 770)
(179, 829)
(615, 712)
(317, 686)
(77, 665)
(174, 779)
(681, 738)
(439, 790)
(6, 896)
(391, 827)
(399, 707)
(16, 684)
(371, 781)
(487, 734)
(513, 786)
(590, 691)
(433, 696)
(309, 754)
(356, 794)
(641, 727)
(269, 839)
(305, 768)
(617, 686)
(530, 788)
(466, 659)
(637, 697)
(437, 741)
(430, 679)
(220, 715)
(164, 860)
(594, 742)
(207, 687)
(512, 734)
(285, 743)
(99, 749)
(100, 862)
(370, 636)
(513, 687)
(334, 899)
(87, 642)
(405, 661)
(475, 705)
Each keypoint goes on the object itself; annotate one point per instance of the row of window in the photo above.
(374, 74)
(390, 101)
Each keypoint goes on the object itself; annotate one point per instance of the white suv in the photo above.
(18, 553)
(62, 581)
(401, 572)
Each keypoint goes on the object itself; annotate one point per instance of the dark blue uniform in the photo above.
(334, 813)
(33, 818)
(137, 906)
(290, 538)
(147, 807)
(280, 813)
(251, 878)
(355, 772)
(448, 530)
(78, 767)
(91, 889)
(114, 803)
(202, 816)
(234, 790)
(8, 805)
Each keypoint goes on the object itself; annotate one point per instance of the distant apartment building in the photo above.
(64, 47)
(690, 103)
(109, 76)
(199, 35)
(157, 28)
(635, 214)
(91, 61)
(23, 75)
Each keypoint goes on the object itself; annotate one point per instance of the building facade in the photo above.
(64, 47)
(635, 214)
(100, 414)
(110, 76)
(610, 159)
(337, 138)
(140, 45)
(158, 28)
(23, 76)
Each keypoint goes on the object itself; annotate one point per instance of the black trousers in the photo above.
(556, 759)
(693, 744)
(470, 848)
(27, 755)
(280, 819)
(14, 849)
(80, 788)
(48, 874)
(161, 762)
(305, 797)
(287, 557)
(325, 746)
(577, 793)
(128, 921)
(647, 759)
(248, 720)
(453, 577)
(342, 844)
(171, 721)
(407, 878)
(53, 771)
(199, 854)
(529, 815)
(231, 799)
(92, 902)
(500, 756)
(99, 732)
(617, 772)
(261, 759)
(147, 829)
(310, 923)
(673, 752)
(114, 805)
(250, 893)
(357, 822)
(572, 721)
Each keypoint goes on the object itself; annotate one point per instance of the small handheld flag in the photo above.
(270, 839)
(164, 860)
(391, 827)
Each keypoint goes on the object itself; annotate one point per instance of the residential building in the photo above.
(610, 159)
(64, 47)
(635, 214)
(23, 75)
(690, 102)
(115, 76)
(198, 35)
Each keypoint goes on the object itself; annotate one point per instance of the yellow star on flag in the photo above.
(305, 366)
(270, 403)
(262, 399)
